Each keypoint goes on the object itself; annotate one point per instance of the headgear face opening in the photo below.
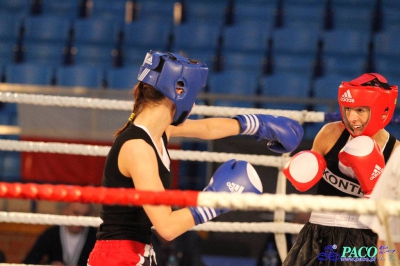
(369, 90)
(168, 72)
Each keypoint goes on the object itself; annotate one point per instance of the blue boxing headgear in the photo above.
(168, 71)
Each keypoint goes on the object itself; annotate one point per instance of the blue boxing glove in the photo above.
(284, 134)
(232, 176)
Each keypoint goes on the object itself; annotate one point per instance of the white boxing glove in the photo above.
(304, 169)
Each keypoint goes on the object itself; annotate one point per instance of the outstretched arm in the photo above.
(283, 134)
(209, 128)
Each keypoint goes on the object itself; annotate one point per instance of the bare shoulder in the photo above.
(333, 128)
(327, 137)
(132, 155)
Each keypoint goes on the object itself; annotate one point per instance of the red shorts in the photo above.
(121, 253)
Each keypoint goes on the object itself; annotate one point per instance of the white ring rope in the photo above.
(296, 203)
(96, 103)
(96, 150)
(51, 219)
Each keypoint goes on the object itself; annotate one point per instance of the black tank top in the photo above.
(333, 181)
(125, 222)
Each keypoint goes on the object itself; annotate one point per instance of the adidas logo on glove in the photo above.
(235, 188)
(377, 171)
(346, 97)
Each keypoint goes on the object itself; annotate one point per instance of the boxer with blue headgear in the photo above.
(163, 98)
(176, 77)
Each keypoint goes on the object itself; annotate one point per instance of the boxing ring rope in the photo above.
(95, 103)
(244, 227)
(220, 200)
(279, 203)
(96, 150)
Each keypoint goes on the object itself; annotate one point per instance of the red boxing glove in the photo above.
(304, 169)
(363, 156)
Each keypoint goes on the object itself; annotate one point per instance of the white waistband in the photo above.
(336, 219)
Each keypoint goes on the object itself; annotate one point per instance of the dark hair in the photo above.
(143, 95)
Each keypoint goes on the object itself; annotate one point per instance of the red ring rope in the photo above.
(122, 196)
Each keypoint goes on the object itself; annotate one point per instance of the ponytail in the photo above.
(143, 95)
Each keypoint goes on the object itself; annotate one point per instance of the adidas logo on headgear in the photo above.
(235, 188)
(377, 171)
(148, 59)
(346, 97)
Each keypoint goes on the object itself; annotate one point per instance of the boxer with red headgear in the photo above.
(345, 160)
(369, 91)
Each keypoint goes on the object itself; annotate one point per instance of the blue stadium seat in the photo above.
(80, 75)
(261, 12)
(135, 55)
(10, 25)
(242, 61)
(193, 36)
(110, 11)
(294, 63)
(96, 31)
(391, 18)
(386, 44)
(15, 6)
(306, 2)
(44, 53)
(35, 74)
(346, 43)
(6, 52)
(344, 17)
(206, 12)
(296, 40)
(123, 78)
(387, 66)
(234, 83)
(149, 33)
(341, 65)
(246, 37)
(286, 86)
(60, 8)
(326, 87)
(303, 15)
(91, 54)
(47, 29)
(155, 9)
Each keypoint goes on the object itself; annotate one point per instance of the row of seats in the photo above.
(289, 87)
(217, 12)
(76, 75)
(96, 40)
(292, 47)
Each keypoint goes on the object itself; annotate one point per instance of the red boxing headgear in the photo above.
(369, 90)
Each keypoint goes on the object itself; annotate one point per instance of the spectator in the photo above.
(65, 245)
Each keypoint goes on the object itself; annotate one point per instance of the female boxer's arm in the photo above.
(209, 128)
(283, 134)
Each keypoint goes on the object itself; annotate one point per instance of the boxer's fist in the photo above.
(363, 157)
(284, 134)
(232, 176)
(304, 169)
